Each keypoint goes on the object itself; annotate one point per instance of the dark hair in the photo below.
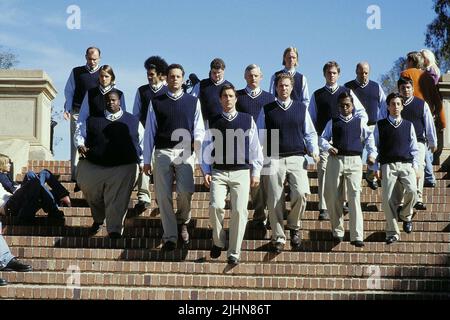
(175, 66)
(404, 80)
(109, 70)
(227, 86)
(217, 63)
(157, 63)
(282, 76)
(344, 95)
(93, 48)
(288, 50)
(113, 91)
(329, 65)
(394, 95)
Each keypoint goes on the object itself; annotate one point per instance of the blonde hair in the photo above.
(4, 161)
(429, 55)
(286, 51)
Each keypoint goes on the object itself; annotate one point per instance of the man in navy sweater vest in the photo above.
(156, 73)
(81, 79)
(208, 90)
(349, 135)
(112, 150)
(233, 163)
(396, 141)
(322, 108)
(290, 62)
(251, 100)
(289, 121)
(418, 112)
(372, 97)
(174, 123)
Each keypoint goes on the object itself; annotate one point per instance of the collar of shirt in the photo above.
(395, 121)
(113, 116)
(218, 82)
(253, 92)
(408, 101)
(157, 87)
(92, 70)
(284, 104)
(175, 95)
(105, 90)
(333, 88)
(230, 115)
(291, 71)
(346, 118)
(362, 85)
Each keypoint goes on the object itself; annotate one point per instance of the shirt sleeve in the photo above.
(376, 139)
(326, 137)
(272, 88)
(141, 132)
(312, 110)
(430, 128)
(360, 111)
(69, 92)
(196, 90)
(123, 106)
(382, 107)
(137, 105)
(150, 133)
(311, 139)
(414, 148)
(369, 141)
(305, 92)
(255, 152)
(199, 124)
(206, 159)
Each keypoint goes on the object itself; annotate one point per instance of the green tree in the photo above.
(388, 81)
(438, 33)
(7, 59)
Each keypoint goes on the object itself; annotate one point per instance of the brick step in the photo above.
(19, 291)
(202, 224)
(206, 244)
(199, 281)
(423, 216)
(206, 235)
(250, 269)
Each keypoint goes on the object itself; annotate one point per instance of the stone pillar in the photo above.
(25, 109)
(444, 88)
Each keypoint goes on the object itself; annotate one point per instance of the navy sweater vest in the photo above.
(327, 106)
(113, 143)
(234, 153)
(84, 81)
(172, 115)
(394, 142)
(347, 137)
(147, 94)
(414, 112)
(289, 124)
(253, 106)
(97, 104)
(210, 99)
(369, 97)
(297, 91)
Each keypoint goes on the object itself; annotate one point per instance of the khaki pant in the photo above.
(74, 155)
(392, 174)
(259, 200)
(107, 191)
(294, 169)
(143, 184)
(238, 182)
(167, 163)
(321, 173)
(346, 169)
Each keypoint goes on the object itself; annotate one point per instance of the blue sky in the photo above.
(194, 32)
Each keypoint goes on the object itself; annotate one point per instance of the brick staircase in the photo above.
(68, 264)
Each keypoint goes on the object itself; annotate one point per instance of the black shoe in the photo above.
(338, 240)
(420, 206)
(233, 261)
(76, 188)
(295, 239)
(259, 225)
(169, 246)
(372, 184)
(345, 208)
(427, 184)
(357, 243)
(16, 265)
(95, 228)
(323, 214)
(114, 235)
(184, 234)
(140, 207)
(56, 216)
(407, 226)
(276, 247)
(215, 252)
(3, 282)
(391, 239)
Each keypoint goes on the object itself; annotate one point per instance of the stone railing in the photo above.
(444, 88)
